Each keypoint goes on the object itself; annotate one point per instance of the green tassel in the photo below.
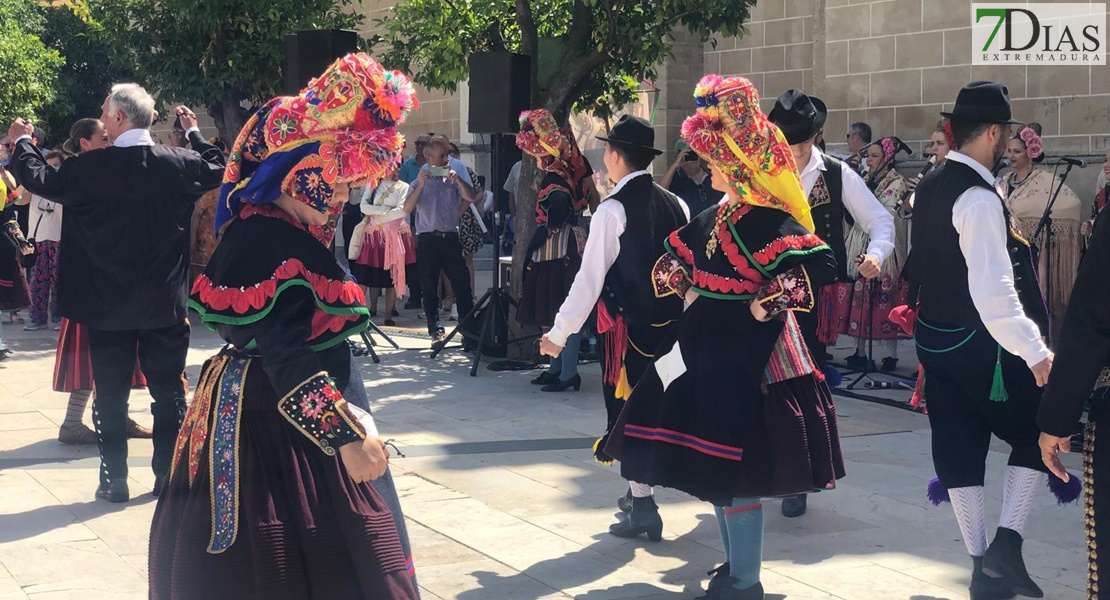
(998, 388)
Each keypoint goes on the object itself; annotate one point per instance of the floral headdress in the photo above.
(555, 147)
(1033, 144)
(948, 135)
(342, 128)
(732, 133)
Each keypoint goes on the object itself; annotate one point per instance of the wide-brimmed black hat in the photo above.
(983, 102)
(633, 133)
(799, 116)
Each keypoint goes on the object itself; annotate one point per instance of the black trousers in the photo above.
(161, 354)
(437, 254)
(1096, 475)
(959, 373)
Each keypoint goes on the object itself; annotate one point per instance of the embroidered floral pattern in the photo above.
(669, 277)
(284, 127)
(223, 458)
(784, 245)
(318, 410)
(194, 429)
(820, 194)
(789, 291)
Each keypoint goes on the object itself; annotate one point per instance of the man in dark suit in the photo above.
(122, 275)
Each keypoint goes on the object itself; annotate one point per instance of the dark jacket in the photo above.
(125, 237)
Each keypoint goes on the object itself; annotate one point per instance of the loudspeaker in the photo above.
(309, 52)
(500, 89)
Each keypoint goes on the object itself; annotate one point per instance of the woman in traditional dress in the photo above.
(382, 247)
(1028, 191)
(872, 300)
(555, 252)
(734, 409)
(269, 495)
(13, 286)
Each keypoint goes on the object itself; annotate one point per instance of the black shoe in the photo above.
(889, 364)
(1003, 559)
(723, 588)
(159, 484)
(624, 503)
(856, 361)
(410, 305)
(985, 587)
(389, 323)
(644, 518)
(794, 507)
(116, 491)
(561, 386)
(546, 378)
(720, 576)
(394, 313)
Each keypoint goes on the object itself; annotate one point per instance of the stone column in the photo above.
(677, 78)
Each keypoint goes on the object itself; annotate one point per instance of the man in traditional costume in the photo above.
(734, 409)
(979, 332)
(1082, 363)
(840, 199)
(626, 237)
(270, 494)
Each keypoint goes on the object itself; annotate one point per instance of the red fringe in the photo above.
(918, 389)
(615, 343)
(827, 327)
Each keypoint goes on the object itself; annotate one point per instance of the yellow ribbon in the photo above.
(786, 188)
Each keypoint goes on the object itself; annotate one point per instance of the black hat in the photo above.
(633, 133)
(983, 102)
(799, 116)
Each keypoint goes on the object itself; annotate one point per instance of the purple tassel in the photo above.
(937, 493)
(1065, 493)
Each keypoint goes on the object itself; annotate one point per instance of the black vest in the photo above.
(937, 264)
(829, 216)
(652, 214)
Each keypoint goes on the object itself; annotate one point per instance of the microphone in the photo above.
(1075, 162)
(1002, 164)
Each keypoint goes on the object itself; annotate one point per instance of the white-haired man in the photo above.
(122, 274)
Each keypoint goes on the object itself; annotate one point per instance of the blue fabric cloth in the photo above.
(566, 366)
(264, 185)
(437, 209)
(409, 170)
(741, 525)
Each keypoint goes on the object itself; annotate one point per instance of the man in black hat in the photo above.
(626, 238)
(979, 332)
(839, 198)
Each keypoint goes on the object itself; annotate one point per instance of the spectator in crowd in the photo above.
(859, 138)
(512, 188)
(471, 230)
(45, 234)
(689, 179)
(382, 253)
(123, 271)
(439, 198)
(13, 288)
(410, 168)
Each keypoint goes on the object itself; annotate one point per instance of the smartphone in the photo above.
(438, 171)
(691, 157)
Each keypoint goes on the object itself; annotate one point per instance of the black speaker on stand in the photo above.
(308, 52)
(500, 89)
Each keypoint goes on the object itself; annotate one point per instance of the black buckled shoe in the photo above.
(794, 506)
(116, 491)
(546, 378)
(624, 503)
(985, 587)
(1003, 559)
(723, 588)
(644, 518)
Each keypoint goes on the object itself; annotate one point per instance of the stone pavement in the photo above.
(504, 501)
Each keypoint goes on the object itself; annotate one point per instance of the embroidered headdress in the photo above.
(555, 147)
(732, 133)
(342, 128)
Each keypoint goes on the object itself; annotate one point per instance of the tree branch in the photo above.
(529, 43)
(581, 24)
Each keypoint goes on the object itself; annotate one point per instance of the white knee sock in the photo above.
(891, 347)
(639, 490)
(967, 503)
(1017, 496)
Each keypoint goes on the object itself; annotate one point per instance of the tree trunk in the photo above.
(229, 116)
(525, 218)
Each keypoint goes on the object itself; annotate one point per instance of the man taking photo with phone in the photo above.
(689, 179)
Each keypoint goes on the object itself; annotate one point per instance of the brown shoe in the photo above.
(134, 430)
(76, 435)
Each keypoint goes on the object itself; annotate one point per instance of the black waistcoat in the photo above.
(829, 215)
(652, 214)
(937, 264)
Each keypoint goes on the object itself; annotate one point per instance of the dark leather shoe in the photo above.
(889, 364)
(117, 491)
(159, 484)
(1003, 559)
(624, 503)
(561, 386)
(794, 507)
(856, 361)
(723, 588)
(546, 378)
(985, 587)
(644, 518)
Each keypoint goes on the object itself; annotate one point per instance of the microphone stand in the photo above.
(1045, 225)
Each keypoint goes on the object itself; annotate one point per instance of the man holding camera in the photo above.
(689, 179)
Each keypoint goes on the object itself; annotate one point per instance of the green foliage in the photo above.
(29, 68)
(609, 45)
(90, 67)
(216, 53)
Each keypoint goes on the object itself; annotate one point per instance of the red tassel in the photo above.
(614, 341)
(919, 389)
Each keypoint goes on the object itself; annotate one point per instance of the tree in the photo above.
(225, 55)
(89, 68)
(29, 68)
(599, 50)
